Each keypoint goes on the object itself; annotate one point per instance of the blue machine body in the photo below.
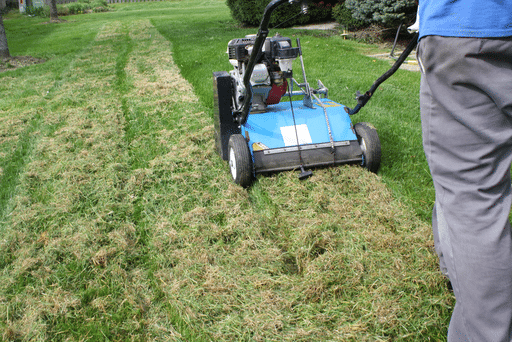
(275, 136)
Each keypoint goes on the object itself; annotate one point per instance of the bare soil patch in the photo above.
(18, 62)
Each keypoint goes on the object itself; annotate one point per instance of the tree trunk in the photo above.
(53, 11)
(4, 49)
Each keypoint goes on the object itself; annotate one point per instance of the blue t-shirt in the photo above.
(466, 18)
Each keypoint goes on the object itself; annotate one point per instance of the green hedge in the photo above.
(388, 13)
(250, 12)
(84, 5)
(81, 6)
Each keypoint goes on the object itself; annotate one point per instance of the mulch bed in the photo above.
(18, 62)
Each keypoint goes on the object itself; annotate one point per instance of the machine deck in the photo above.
(273, 136)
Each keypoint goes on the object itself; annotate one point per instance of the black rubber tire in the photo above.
(240, 160)
(370, 144)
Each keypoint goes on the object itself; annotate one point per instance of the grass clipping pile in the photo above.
(126, 225)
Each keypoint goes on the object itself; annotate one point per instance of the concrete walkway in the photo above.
(410, 64)
(325, 26)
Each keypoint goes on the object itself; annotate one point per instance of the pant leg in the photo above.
(466, 108)
(437, 243)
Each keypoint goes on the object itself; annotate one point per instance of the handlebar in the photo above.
(363, 99)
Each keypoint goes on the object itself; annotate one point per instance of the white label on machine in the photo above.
(290, 136)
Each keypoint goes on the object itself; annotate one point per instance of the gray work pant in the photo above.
(466, 112)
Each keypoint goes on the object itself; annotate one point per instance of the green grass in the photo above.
(119, 222)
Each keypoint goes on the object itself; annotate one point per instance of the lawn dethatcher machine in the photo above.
(261, 127)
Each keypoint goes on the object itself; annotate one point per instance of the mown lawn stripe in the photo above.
(13, 166)
(149, 104)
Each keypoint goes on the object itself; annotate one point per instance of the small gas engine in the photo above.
(272, 68)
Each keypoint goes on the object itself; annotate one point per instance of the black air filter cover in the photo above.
(281, 48)
(237, 48)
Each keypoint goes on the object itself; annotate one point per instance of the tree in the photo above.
(53, 11)
(4, 49)
(385, 12)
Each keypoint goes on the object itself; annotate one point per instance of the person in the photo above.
(465, 56)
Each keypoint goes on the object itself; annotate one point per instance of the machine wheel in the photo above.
(240, 160)
(370, 144)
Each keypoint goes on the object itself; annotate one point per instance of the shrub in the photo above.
(99, 6)
(383, 12)
(100, 3)
(250, 12)
(77, 7)
(44, 11)
(61, 10)
(344, 17)
(86, 5)
(34, 11)
(99, 9)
